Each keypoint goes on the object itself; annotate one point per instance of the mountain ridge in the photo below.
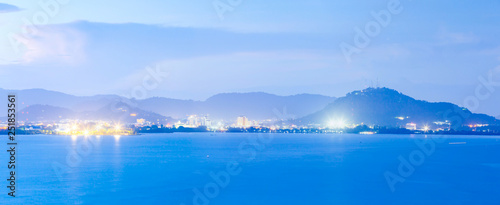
(223, 106)
(372, 106)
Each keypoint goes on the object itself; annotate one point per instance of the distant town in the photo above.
(196, 123)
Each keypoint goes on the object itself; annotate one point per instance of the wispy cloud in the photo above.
(446, 37)
(5, 8)
(53, 44)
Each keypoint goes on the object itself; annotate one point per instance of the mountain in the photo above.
(45, 113)
(118, 111)
(228, 106)
(372, 106)
(178, 109)
(388, 107)
(58, 99)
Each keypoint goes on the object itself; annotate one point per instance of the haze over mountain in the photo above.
(388, 107)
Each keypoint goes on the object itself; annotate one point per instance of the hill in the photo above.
(112, 112)
(388, 107)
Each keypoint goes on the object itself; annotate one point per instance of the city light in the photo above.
(426, 128)
(88, 128)
(338, 123)
(367, 133)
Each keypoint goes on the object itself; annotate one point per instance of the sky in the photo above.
(435, 51)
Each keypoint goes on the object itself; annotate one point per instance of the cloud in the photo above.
(53, 44)
(446, 37)
(6, 8)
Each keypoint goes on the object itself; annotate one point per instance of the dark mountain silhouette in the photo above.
(383, 106)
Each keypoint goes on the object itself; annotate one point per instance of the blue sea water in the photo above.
(225, 168)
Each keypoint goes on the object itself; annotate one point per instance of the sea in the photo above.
(253, 169)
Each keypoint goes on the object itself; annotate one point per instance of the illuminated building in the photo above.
(192, 121)
(242, 121)
(205, 121)
(411, 126)
(141, 121)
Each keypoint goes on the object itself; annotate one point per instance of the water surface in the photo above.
(271, 169)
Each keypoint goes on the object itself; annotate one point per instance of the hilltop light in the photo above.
(339, 123)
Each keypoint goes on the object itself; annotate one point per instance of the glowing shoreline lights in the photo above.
(76, 128)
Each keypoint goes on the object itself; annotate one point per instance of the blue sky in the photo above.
(431, 50)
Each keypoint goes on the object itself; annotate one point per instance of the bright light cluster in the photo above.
(91, 128)
(337, 124)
